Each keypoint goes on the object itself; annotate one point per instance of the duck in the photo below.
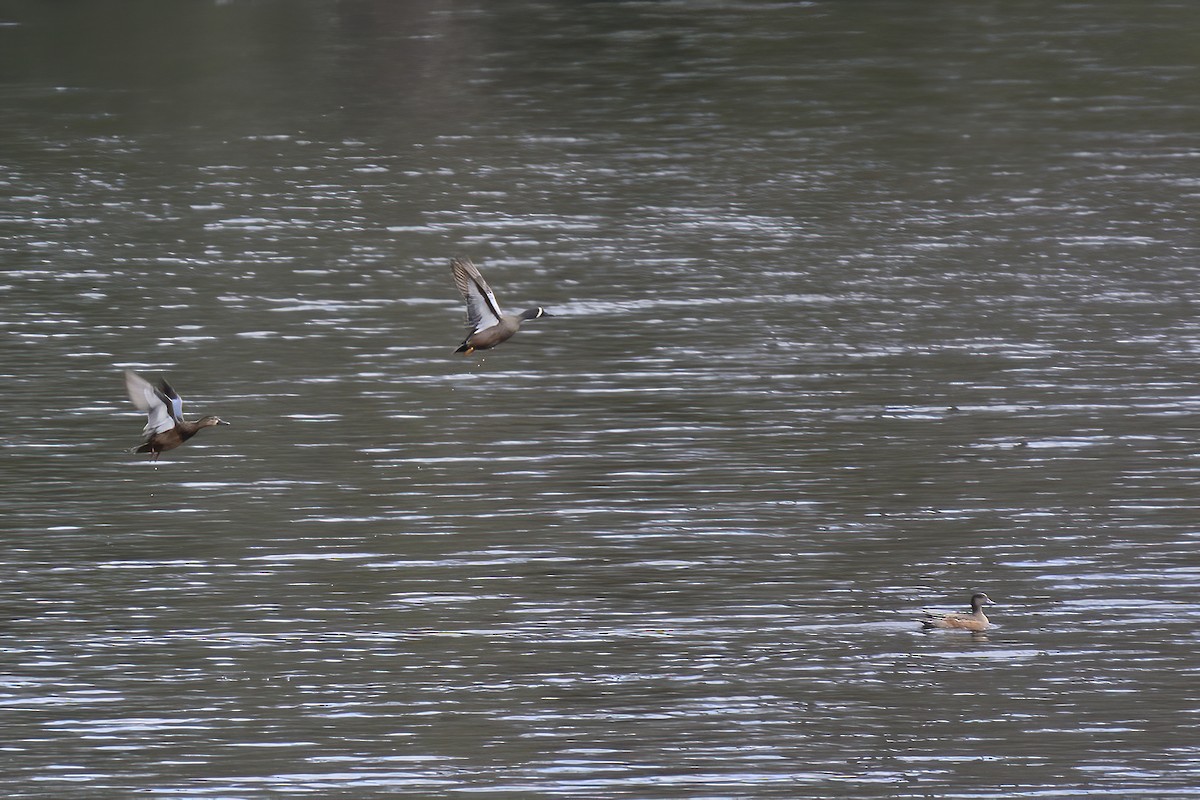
(165, 428)
(489, 326)
(975, 621)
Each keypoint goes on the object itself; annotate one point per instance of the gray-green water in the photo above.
(860, 306)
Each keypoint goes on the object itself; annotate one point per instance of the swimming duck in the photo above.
(489, 326)
(165, 428)
(975, 621)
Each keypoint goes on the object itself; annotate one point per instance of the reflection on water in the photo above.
(855, 313)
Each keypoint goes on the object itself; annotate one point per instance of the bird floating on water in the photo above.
(165, 428)
(975, 621)
(489, 326)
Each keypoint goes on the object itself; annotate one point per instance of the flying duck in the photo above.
(488, 325)
(165, 428)
(975, 621)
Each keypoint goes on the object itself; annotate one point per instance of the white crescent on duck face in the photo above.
(488, 326)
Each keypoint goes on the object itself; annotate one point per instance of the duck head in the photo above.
(534, 313)
(979, 599)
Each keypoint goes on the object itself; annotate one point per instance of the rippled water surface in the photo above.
(858, 308)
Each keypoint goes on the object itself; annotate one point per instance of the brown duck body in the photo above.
(502, 331)
(165, 428)
(169, 440)
(489, 326)
(975, 621)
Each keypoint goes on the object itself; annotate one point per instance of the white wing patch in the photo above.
(161, 411)
(482, 309)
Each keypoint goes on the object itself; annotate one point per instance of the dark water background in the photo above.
(860, 306)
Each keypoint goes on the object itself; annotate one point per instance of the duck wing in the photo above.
(161, 404)
(482, 309)
(171, 398)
